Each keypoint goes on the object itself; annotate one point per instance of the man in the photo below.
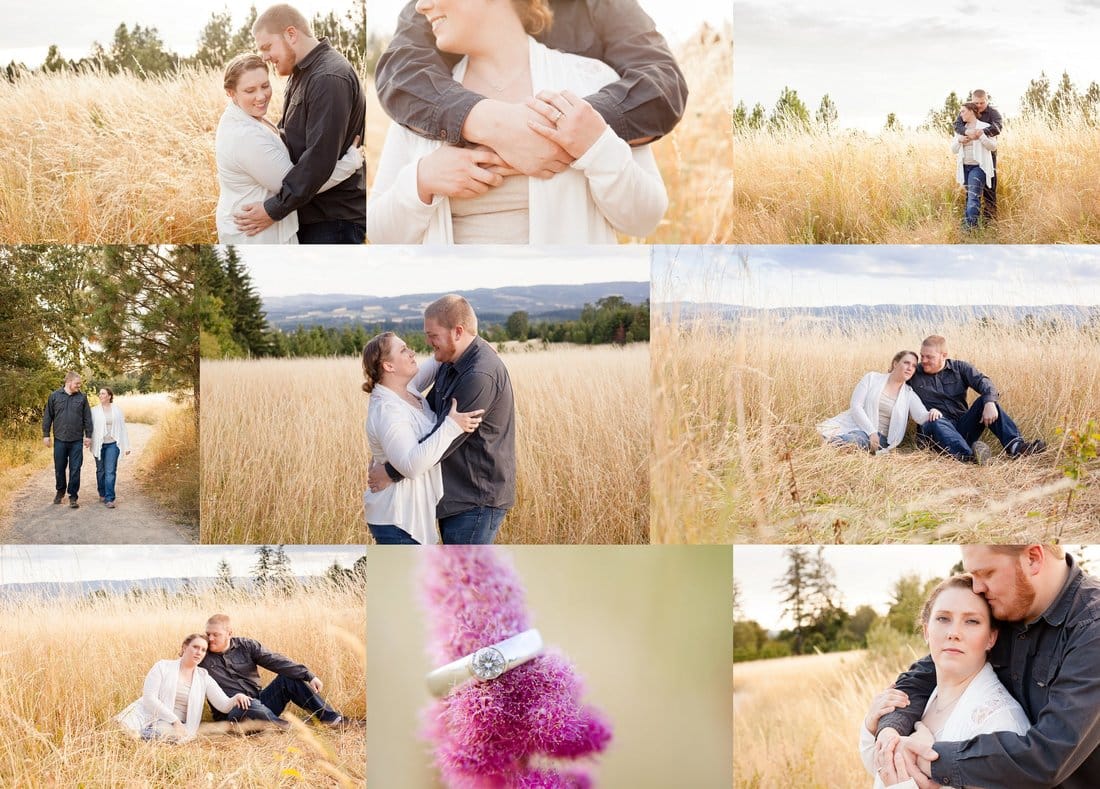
(325, 111)
(232, 662)
(415, 86)
(1048, 656)
(68, 412)
(943, 383)
(479, 468)
(988, 115)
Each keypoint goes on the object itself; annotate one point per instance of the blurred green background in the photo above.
(648, 628)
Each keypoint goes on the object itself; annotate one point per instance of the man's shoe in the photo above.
(1032, 448)
(981, 452)
(57, 498)
(110, 505)
(336, 723)
(72, 503)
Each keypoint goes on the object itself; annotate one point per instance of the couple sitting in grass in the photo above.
(932, 389)
(210, 667)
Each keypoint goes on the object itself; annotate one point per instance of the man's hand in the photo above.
(503, 127)
(885, 747)
(241, 700)
(252, 219)
(973, 134)
(315, 683)
(450, 171)
(919, 755)
(934, 414)
(989, 414)
(88, 443)
(46, 440)
(377, 478)
(887, 701)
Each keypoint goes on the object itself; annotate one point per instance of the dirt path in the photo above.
(136, 520)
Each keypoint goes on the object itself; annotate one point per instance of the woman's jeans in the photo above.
(860, 439)
(390, 535)
(106, 469)
(974, 177)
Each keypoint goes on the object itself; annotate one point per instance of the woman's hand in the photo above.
(887, 701)
(895, 771)
(450, 171)
(876, 445)
(934, 414)
(886, 745)
(241, 700)
(468, 420)
(574, 124)
(179, 730)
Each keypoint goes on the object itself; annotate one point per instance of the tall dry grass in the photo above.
(284, 450)
(169, 471)
(847, 187)
(738, 459)
(796, 720)
(69, 666)
(22, 455)
(695, 159)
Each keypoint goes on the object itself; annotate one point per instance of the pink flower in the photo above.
(487, 733)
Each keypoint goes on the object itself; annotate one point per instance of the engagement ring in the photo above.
(487, 663)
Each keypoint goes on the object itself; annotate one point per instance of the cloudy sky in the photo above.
(675, 19)
(822, 276)
(865, 574)
(30, 27)
(874, 59)
(62, 563)
(394, 271)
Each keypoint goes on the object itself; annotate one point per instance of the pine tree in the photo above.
(262, 571)
(827, 114)
(794, 589)
(282, 574)
(790, 112)
(225, 577)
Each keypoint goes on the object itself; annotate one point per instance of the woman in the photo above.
(974, 167)
(428, 192)
(959, 629)
(879, 409)
(252, 158)
(398, 417)
(170, 707)
(109, 440)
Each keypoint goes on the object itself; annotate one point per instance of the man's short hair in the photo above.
(452, 310)
(218, 619)
(978, 93)
(1055, 551)
(71, 376)
(278, 18)
(935, 341)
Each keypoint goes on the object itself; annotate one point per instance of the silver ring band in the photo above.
(487, 663)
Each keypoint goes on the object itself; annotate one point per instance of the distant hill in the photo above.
(857, 314)
(84, 588)
(492, 305)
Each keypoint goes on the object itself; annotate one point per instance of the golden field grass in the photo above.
(737, 457)
(96, 158)
(899, 187)
(285, 459)
(695, 159)
(71, 665)
(796, 720)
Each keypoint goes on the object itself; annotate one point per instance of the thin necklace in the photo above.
(941, 708)
(505, 86)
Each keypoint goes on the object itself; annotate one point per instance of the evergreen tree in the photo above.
(282, 574)
(790, 112)
(1035, 102)
(263, 570)
(893, 124)
(517, 325)
(943, 119)
(225, 577)
(794, 590)
(827, 114)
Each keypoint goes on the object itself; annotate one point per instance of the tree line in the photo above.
(140, 50)
(1063, 103)
(233, 324)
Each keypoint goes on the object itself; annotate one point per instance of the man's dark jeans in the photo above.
(388, 534)
(274, 698)
(335, 231)
(478, 526)
(989, 194)
(957, 437)
(70, 453)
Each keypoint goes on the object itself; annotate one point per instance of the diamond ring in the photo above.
(487, 663)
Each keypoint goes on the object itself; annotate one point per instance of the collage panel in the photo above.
(916, 665)
(197, 123)
(308, 376)
(549, 122)
(863, 127)
(183, 665)
(875, 394)
(624, 681)
(100, 391)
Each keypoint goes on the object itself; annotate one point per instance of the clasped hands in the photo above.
(898, 758)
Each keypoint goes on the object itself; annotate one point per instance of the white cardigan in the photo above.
(985, 150)
(252, 162)
(394, 430)
(983, 708)
(611, 187)
(99, 430)
(158, 698)
(862, 413)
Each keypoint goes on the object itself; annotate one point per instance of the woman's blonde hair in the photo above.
(535, 15)
(246, 61)
(374, 353)
(191, 638)
(901, 355)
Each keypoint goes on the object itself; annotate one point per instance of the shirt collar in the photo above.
(313, 56)
(1058, 611)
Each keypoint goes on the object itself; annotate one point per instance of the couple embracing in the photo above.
(449, 454)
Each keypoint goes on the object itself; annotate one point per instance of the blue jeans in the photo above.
(273, 700)
(956, 437)
(975, 185)
(333, 231)
(69, 453)
(390, 535)
(860, 439)
(478, 526)
(106, 470)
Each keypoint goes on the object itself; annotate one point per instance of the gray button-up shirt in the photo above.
(235, 669)
(947, 389)
(68, 414)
